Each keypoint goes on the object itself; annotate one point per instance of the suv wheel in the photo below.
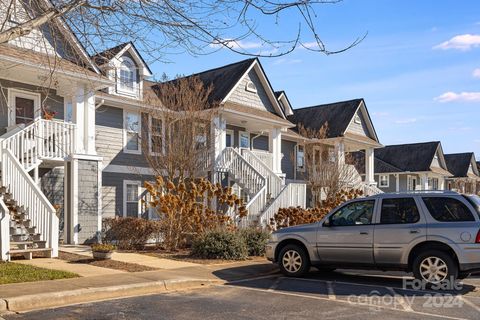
(293, 261)
(435, 267)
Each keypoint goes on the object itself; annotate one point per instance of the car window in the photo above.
(355, 213)
(448, 209)
(399, 210)
(474, 201)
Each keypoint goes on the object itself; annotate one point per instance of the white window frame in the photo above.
(357, 119)
(380, 181)
(150, 135)
(125, 131)
(299, 169)
(232, 134)
(250, 87)
(139, 185)
(240, 139)
(410, 182)
(122, 61)
(66, 103)
(14, 93)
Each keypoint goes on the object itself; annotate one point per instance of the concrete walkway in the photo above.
(82, 269)
(54, 293)
(140, 259)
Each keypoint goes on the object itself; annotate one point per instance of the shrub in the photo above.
(287, 217)
(189, 208)
(129, 232)
(255, 239)
(99, 247)
(220, 244)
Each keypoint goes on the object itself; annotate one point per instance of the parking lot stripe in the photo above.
(274, 285)
(253, 279)
(331, 293)
(400, 300)
(292, 294)
(470, 303)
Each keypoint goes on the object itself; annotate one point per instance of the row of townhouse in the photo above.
(88, 164)
(71, 131)
(423, 166)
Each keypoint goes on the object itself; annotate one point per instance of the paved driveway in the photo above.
(346, 294)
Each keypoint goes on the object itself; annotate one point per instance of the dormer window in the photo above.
(127, 76)
(250, 87)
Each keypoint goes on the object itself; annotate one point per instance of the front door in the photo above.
(347, 237)
(24, 110)
(397, 229)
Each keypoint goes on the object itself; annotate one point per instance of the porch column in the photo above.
(424, 181)
(397, 183)
(78, 105)
(219, 136)
(369, 167)
(275, 147)
(441, 183)
(340, 153)
(89, 123)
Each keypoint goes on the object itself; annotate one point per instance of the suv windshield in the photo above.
(475, 202)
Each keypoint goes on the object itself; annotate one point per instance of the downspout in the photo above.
(255, 137)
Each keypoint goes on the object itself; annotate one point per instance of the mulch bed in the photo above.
(185, 256)
(110, 264)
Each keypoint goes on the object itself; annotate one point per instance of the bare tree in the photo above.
(180, 119)
(327, 173)
(162, 27)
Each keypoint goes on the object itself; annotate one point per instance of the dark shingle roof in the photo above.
(106, 55)
(223, 79)
(414, 157)
(459, 163)
(380, 165)
(338, 116)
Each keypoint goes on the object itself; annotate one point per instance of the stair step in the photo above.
(28, 253)
(26, 242)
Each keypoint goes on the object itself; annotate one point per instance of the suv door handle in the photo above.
(363, 232)
(414, 231)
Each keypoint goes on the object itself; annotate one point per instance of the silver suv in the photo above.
(435, 235)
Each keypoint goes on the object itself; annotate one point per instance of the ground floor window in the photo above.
(412, 183)
(433, 183)
(384, 181)
(131, 198)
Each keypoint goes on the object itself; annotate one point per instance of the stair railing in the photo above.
(274, 182)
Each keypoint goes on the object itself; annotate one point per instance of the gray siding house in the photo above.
(465, 173)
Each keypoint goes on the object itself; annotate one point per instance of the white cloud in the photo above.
(309, 45)
(381, 114)
(461, 42)
(460, 97)
(476, 73)
(282, 61)
(406, 121)
(235, 44)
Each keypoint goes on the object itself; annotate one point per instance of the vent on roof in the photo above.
(251, 87)
(357, 119)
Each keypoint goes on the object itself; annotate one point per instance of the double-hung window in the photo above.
(132, 128)
(300, 157)
(156, 135)
(131, 192)
(127, 76)
(384, 181)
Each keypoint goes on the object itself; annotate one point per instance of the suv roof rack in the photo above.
(423, 191)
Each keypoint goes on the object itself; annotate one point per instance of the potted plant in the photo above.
(102, 251)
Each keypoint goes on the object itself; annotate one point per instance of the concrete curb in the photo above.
(63, 298)
(3, 305)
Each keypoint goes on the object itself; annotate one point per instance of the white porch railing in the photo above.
(274, 182)
(27, 193)
(43, 139)
(292, 195)
(264, 156)
(4, 231)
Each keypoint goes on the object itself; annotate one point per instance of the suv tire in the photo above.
(437, 267)
(293, 261)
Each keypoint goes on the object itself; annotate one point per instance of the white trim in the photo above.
(66, 101)
(240, 139)
(163, 135)
(114, 168)
(380, 185)
(14, 93)
(251, 87)
(232, 134)
(139, 185)
(125, 150)
(296, 158)
(120, 89)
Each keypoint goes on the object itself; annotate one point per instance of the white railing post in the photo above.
(4, 232)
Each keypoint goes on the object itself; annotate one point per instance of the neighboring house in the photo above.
(465, 173)
(409, 167)
(350, 129)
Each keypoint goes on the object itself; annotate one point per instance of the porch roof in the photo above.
(20, 56)
(259, 114)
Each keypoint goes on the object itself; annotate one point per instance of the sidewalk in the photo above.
(55, 293)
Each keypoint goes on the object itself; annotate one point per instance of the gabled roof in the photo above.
(107, 55)
(380, 165)
(285, 103)
(337, 115)
(413, 157)
(459, 163)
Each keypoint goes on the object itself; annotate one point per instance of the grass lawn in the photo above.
(11, 272)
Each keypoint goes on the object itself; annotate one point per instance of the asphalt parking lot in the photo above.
(346, 294)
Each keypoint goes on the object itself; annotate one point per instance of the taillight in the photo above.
(477, 239)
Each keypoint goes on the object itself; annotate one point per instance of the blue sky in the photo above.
(415, 69)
